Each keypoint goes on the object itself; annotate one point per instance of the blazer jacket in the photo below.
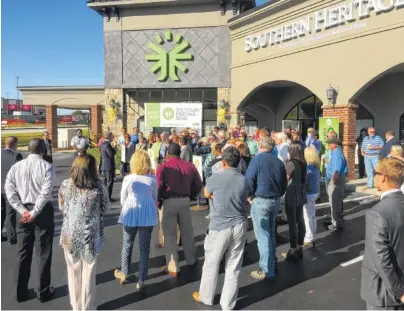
(383, 262)
(108, 156)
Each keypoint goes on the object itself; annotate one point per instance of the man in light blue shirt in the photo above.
(336, 172)
(371, 146)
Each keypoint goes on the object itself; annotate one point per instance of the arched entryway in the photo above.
(270, 102)
(383, 97)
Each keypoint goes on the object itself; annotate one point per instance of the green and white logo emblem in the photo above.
(169, 62)
(168, 113)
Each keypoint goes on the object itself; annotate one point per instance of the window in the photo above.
(402, 127)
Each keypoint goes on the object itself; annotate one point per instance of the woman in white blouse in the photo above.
(139, 214)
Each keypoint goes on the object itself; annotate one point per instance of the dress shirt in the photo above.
(134, 138)
(310, 141)
(80, 142)
(337, 163)
(162, 151)
(177, 178)
(30, 181)
(387, 193)
(283, 153)
(376, 141)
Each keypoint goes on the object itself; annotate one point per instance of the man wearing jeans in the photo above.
(336, 172)
(371, 146)
(266, 176)
(227, 231)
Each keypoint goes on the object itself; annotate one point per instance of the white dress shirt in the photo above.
(80, 142)
(30, 181)
(388, 192)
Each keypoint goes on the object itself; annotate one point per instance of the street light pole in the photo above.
(18, 95)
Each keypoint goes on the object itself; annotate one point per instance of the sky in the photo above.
(51, 42)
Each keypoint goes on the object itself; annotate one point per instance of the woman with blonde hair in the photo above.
(139, 214)
(313, 191)
(396, 152)
(83, 200)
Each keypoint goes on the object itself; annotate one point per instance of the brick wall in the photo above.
(52, 124)
(347, 118)
(96, 122)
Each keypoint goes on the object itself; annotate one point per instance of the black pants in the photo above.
(361, 160)
(108, 177)
(8, 216)
(40, 232)
(297, 228)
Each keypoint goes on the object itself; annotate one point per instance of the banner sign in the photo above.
(26, 108)
(174, 115)
(12, 107)
(327, 125)
(197, 160)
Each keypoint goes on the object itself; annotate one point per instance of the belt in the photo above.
(268, 198)
(179, 197)
(29, 206)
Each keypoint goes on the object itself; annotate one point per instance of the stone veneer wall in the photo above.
(112, 124)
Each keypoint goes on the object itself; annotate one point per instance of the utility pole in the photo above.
(18, 95)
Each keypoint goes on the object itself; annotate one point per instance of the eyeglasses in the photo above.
(372, 132)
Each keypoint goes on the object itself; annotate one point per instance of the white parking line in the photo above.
(352, 261)
(349, 200)
(345, 201)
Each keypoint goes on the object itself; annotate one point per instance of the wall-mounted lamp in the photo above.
(331, 95)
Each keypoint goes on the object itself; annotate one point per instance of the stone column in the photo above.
(347, 119)
(52, 124)
(135, 111)
(96, 122)
(113, 118)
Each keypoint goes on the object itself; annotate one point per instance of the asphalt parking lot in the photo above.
(327, 278)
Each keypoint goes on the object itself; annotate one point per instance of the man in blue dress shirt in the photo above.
(371, 146)
(336, 174)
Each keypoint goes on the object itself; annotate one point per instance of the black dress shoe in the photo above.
(193, 265)
(3, 238)
(12, 242)
(47, 296)
(22, 297)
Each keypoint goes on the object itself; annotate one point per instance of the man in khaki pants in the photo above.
(178, 181)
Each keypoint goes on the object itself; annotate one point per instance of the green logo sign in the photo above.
(168, 113)
(169, 62)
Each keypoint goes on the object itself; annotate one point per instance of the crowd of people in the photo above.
(266, 174)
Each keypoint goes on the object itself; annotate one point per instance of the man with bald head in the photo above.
(9, 157)
(28, 187)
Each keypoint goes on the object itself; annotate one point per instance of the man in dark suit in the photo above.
(186, 152)
(9, 156)
(383, 263)
(48, 144)
(108, 162)
(391, 140)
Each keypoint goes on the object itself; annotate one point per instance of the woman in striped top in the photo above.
(139, 214)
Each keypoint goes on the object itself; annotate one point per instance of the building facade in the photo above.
(166, 52)
(300, 60)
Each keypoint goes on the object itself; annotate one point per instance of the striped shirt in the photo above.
(376, 141)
